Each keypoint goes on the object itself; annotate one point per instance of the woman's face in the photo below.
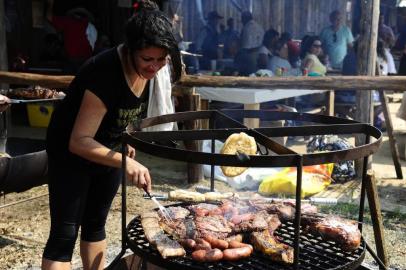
(149, 61)
(316, 47)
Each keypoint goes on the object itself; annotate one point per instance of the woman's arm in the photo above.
(308, 63)
(82, 142)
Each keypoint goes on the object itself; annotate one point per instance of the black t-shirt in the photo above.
(103, 76)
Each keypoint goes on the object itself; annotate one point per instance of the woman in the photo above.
(311, 51)
(84, 135)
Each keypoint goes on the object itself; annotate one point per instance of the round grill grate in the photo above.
(315, 253)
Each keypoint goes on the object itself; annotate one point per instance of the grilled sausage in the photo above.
(211, 255)
(202, 245)
(216, 243)
(234, 254)
(188, 243)
(236, 244)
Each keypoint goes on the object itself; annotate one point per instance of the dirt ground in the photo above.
(24, 226)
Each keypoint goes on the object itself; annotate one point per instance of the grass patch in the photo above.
(351, 211)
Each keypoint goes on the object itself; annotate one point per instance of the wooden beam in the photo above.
(35, 79)
(397, 83)
(3, 41)
(376, 217)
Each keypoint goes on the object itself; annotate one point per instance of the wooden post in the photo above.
(376, 216)
(3, 44)
(251, 122)
(4, 116)
(366, 65)
(190, 101)
(389, 128)
(330, 103)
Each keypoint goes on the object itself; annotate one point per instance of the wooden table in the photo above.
(252, 98)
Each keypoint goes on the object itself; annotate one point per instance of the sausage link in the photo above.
(202, 244)
(211, 255)
(216, 243)
(236, 244)
(188, 243)
(234, 254)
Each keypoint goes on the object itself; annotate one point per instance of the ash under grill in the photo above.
(315, 253)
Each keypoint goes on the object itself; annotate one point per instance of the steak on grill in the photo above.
(155, 235)
(267, 244)
(341, 231)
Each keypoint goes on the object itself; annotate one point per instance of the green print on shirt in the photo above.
(127, 116)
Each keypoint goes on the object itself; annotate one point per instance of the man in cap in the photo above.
(208, 40)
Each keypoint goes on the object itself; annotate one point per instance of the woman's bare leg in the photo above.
(93, 254)
(54, 265)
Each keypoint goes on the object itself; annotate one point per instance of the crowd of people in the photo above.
(255, 49)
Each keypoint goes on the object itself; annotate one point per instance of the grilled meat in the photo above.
(250, 222)
(341, 231)
(32, 93)
(267, 244)
(216, 226)
(202, 209)
(284, 209)
(155, 235)
(178, 212)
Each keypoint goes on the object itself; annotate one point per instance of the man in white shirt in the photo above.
(252, 33)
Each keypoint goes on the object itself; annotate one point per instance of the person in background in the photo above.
(280, 59)
(79, 34)
(381, 58)
(265, 51)
(401, 113)
(22, 172)
(294, 49)
(336, 39)
(385, 32)
(84, 135)
(230, 37)
(252, 34)
(311, 50)
(102, 44)
(208, 40)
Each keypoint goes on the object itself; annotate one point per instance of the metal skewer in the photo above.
(163, 210)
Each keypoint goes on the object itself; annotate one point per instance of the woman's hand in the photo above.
(131, 151)
(4, 103)
(138, 174)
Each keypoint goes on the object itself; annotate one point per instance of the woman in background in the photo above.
(311, 50)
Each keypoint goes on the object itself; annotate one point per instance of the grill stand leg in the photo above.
(363, 184)
(296, 243)
(124, 246)
(213, 150)
(376, 216)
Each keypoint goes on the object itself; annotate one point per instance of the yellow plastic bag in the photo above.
(284, 183)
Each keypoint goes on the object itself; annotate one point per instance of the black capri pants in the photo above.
(80, 196)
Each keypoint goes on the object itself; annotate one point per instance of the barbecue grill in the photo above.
(310, 251)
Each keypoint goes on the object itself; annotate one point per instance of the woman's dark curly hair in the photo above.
(149, 27)
(307, 45)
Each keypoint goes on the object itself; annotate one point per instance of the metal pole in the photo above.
(296, 243)
(363, 185)
(213, 150)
